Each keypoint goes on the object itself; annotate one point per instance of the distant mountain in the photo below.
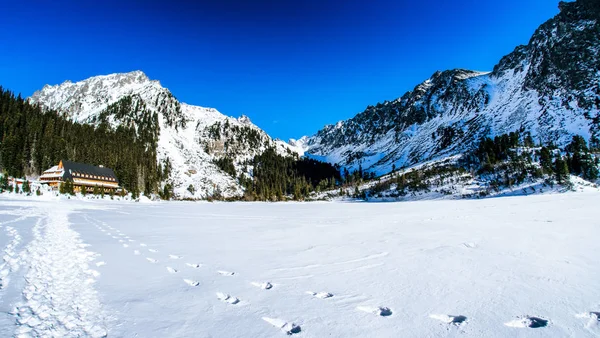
(549, 88)
(190, 140)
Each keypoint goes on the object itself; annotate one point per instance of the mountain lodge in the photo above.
(82, 175)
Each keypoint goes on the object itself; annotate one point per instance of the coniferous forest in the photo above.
(32, 141)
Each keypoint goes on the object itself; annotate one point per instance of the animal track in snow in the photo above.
(225, 273)
(191, 282)
(151, 260)
(136, 252)
(288, 328)
(528, 321)
(320, 295)
(379, 310)
(470, 245)
(153, 250)
(171, 270)
(227, 298)
(125, 245)
(142, 244)
(264, 286)
(449, 319)
(175, 257)
(193, 265)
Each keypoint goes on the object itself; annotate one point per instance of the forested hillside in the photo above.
(33, 140)
(124, 137)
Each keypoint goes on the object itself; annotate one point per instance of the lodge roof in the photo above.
(86, 169)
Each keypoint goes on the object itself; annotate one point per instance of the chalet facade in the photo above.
(83, 176)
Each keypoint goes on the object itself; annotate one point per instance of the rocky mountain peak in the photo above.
(548, 88)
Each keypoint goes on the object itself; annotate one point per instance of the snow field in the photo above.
(495, 268)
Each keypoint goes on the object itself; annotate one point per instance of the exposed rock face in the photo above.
(549, 87)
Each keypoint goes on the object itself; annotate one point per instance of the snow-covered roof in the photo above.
(53, 169)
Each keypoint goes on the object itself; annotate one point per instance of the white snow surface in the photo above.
(498, 267)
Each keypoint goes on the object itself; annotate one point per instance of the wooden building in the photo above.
(82, 175)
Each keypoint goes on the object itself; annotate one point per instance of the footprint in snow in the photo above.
(288, 328)
(125, 245)
(378, 310)
(227, 298)
(193, 265)
(136, 252)
(121, 241)
(470, 245)
(142, 244)
(225, 273)
(320, 295)
(593, 319)
(171, 270)
(527, 322)
(264, 286)
(175, 257)
(449, 319)
(153, 251)
(151, 260)
(191, 282)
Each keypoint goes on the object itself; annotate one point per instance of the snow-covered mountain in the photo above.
(189, 139)
(549, 88)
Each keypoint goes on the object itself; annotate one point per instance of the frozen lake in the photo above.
(498, 267)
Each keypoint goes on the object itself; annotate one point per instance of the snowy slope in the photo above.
(501, 267)
(183, 135)
(548, 88)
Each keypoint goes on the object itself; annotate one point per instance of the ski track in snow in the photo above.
(59, 299)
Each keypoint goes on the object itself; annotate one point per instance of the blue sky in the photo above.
(292, 67)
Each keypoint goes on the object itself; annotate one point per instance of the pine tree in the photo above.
(561, 170)
(26, 187)
(4, 182)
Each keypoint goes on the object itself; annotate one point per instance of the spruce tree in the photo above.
(26, 187)
(561, 170)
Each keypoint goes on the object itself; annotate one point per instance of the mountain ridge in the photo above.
(532, 89)
(181, 129)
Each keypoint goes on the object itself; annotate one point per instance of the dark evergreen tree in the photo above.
(26, 187)
(561, 170)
